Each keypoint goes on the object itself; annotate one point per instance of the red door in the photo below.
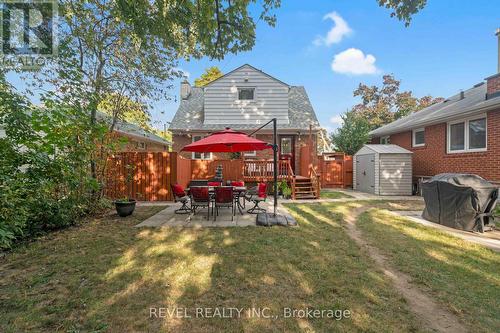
(287, 149)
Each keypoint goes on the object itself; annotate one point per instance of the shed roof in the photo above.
(385, 149)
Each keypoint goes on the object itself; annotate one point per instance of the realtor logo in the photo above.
(28, 32)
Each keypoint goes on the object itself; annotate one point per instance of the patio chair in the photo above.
(238, 194)
(257, 195)
(224, 198)
(180, 196)
(200, 198)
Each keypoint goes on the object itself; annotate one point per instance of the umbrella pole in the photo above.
(275, 160)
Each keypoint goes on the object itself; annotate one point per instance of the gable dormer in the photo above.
(246, 96)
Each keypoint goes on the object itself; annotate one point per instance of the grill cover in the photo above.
(460, 201)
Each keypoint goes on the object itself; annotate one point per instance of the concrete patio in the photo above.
(490, 239)
(168, 218)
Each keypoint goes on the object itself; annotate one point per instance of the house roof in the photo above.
(385, 149)
(452, 108)
(189, 116)
(134, 130)
(246, 65)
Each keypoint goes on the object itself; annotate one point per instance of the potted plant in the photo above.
(126, 206)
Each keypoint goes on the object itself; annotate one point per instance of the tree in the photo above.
(352, 135)
(384, 104)
(403, 10)
(211, 74)
(131, 48)
(194, 28)
(379, 106)
(121, 107)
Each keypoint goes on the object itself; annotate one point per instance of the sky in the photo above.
(329, 47)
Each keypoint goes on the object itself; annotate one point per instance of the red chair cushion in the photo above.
(238, 184)
(262, 190)
(214, 183)
(178, 190)
(223, 194)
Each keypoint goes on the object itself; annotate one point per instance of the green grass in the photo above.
(463, 276)
(105, 275)
(327, 194)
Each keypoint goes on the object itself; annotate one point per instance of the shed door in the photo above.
(365, 173)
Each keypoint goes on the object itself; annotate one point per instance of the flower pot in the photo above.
(125, 208)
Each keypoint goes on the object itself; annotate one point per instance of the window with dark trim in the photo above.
(245, 94)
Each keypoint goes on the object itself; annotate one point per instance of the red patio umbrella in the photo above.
(227, 141)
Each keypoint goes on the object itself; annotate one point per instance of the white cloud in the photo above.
(354, 61)
(337, 33)
(336, 120)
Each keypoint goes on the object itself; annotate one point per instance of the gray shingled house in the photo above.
(243, 99)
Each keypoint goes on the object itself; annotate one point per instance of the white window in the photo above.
(245, 94)
(200, 156)
(467, 135)
(385, 140)
(418, 139)
(141, 145)
(250, 153)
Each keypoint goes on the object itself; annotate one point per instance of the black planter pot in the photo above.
(125, 208)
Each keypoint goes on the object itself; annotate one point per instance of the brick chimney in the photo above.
(185, 89)
(493, 82)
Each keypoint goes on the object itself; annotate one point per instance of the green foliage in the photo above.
(379, 105)
(211, 73)
(403, 10)
(353, 134)
(193, 28)
(284, 188)
(123, 108)
(44, 178)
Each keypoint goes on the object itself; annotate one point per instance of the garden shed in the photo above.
(383, 170)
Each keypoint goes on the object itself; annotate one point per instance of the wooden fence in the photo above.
(140, 175)
(335, 170)
(147, 176)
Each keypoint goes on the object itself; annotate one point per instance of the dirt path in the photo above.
(432, 315)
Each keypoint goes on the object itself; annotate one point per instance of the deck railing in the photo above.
(264, 170)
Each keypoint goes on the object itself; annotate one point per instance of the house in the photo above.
(244, 99)
(140, 139)
(460, 134)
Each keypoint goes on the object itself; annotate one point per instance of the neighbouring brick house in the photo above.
(460, 134)
(243, 100)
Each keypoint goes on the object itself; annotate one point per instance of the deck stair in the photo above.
(304, 188)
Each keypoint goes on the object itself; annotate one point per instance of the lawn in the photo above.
(105, 275)
(327, 194)
(463, 276)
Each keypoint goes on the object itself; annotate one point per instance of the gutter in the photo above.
(444, 119)
(144, 138)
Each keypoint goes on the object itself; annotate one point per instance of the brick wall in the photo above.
(493, 85)
(433, 159)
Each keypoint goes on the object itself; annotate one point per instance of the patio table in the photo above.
(240, 190)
